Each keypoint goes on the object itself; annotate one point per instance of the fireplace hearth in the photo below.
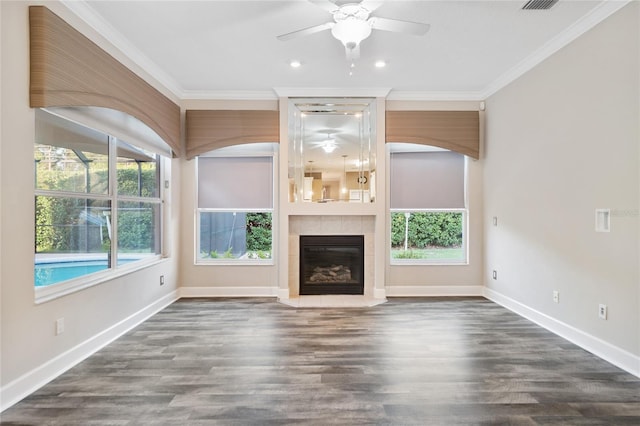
(331, 264)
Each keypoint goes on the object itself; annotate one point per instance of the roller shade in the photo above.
(235, 183)
(207, 130)
(69, 70)
(457, 131)
(427, 180)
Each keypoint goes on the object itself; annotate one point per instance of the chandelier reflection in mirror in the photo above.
(332, 150)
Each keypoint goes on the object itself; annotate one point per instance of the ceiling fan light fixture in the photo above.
(329, 146)
(351, 32)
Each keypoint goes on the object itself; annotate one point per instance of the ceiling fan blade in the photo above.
(327, 5)
(371, 5)
(398, 26)
(306, 31)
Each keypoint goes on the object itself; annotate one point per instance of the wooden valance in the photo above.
(457, 131)
(68, 69)
(212, 129)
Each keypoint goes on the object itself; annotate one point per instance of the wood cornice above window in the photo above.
(207, 130)
(69, 70)
(457, 131)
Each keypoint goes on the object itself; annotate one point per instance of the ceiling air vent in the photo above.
(539, 4)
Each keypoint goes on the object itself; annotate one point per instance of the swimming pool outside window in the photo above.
(97, 203)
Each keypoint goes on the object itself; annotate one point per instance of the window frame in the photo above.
(235, 151)
(403, 147)
(55, 290)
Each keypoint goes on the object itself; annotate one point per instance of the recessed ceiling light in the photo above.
(295, 63)
(381, 64)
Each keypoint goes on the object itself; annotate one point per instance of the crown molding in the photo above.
(399, 95)
(337, 92)
(244, 95)
(88, 15)
(599, 13)
(389, 94)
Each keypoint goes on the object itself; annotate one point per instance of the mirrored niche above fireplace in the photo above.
(332, 150)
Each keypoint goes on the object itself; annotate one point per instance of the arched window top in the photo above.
(69, 70)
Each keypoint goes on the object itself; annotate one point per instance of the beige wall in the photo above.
(443, 279)
(216, 280)
(562, 141)
(211, 277)
(28, 340)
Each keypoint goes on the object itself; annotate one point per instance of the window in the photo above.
(428, 206)
(97, 202)
(235, 207)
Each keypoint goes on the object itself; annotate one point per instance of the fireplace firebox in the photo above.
(331, 264)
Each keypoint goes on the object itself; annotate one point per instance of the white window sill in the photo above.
(55, 291)
(236, 262)
(419, 262)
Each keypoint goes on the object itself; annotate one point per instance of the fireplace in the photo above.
(331, 264)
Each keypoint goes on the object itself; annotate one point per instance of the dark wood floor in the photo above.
(444, 361)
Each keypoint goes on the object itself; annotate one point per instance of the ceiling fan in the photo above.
(328, 145)
(353, 23)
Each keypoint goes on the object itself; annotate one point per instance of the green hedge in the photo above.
(136, 230)
(58, 222)
(427, 229)
(259, 231)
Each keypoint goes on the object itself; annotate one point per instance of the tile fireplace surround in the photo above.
(331, 225)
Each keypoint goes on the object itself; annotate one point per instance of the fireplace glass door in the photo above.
(331, 264)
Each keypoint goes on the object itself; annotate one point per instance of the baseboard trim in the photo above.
(608, 352)
(379, 293)
(229, 292)
(432, 291)
(28, 383)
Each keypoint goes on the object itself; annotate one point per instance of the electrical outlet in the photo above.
(495, 274)
(161, 279)
(59, 326)
(556, 296)
(602, 311)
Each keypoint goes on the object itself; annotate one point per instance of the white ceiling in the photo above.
(227, 49)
